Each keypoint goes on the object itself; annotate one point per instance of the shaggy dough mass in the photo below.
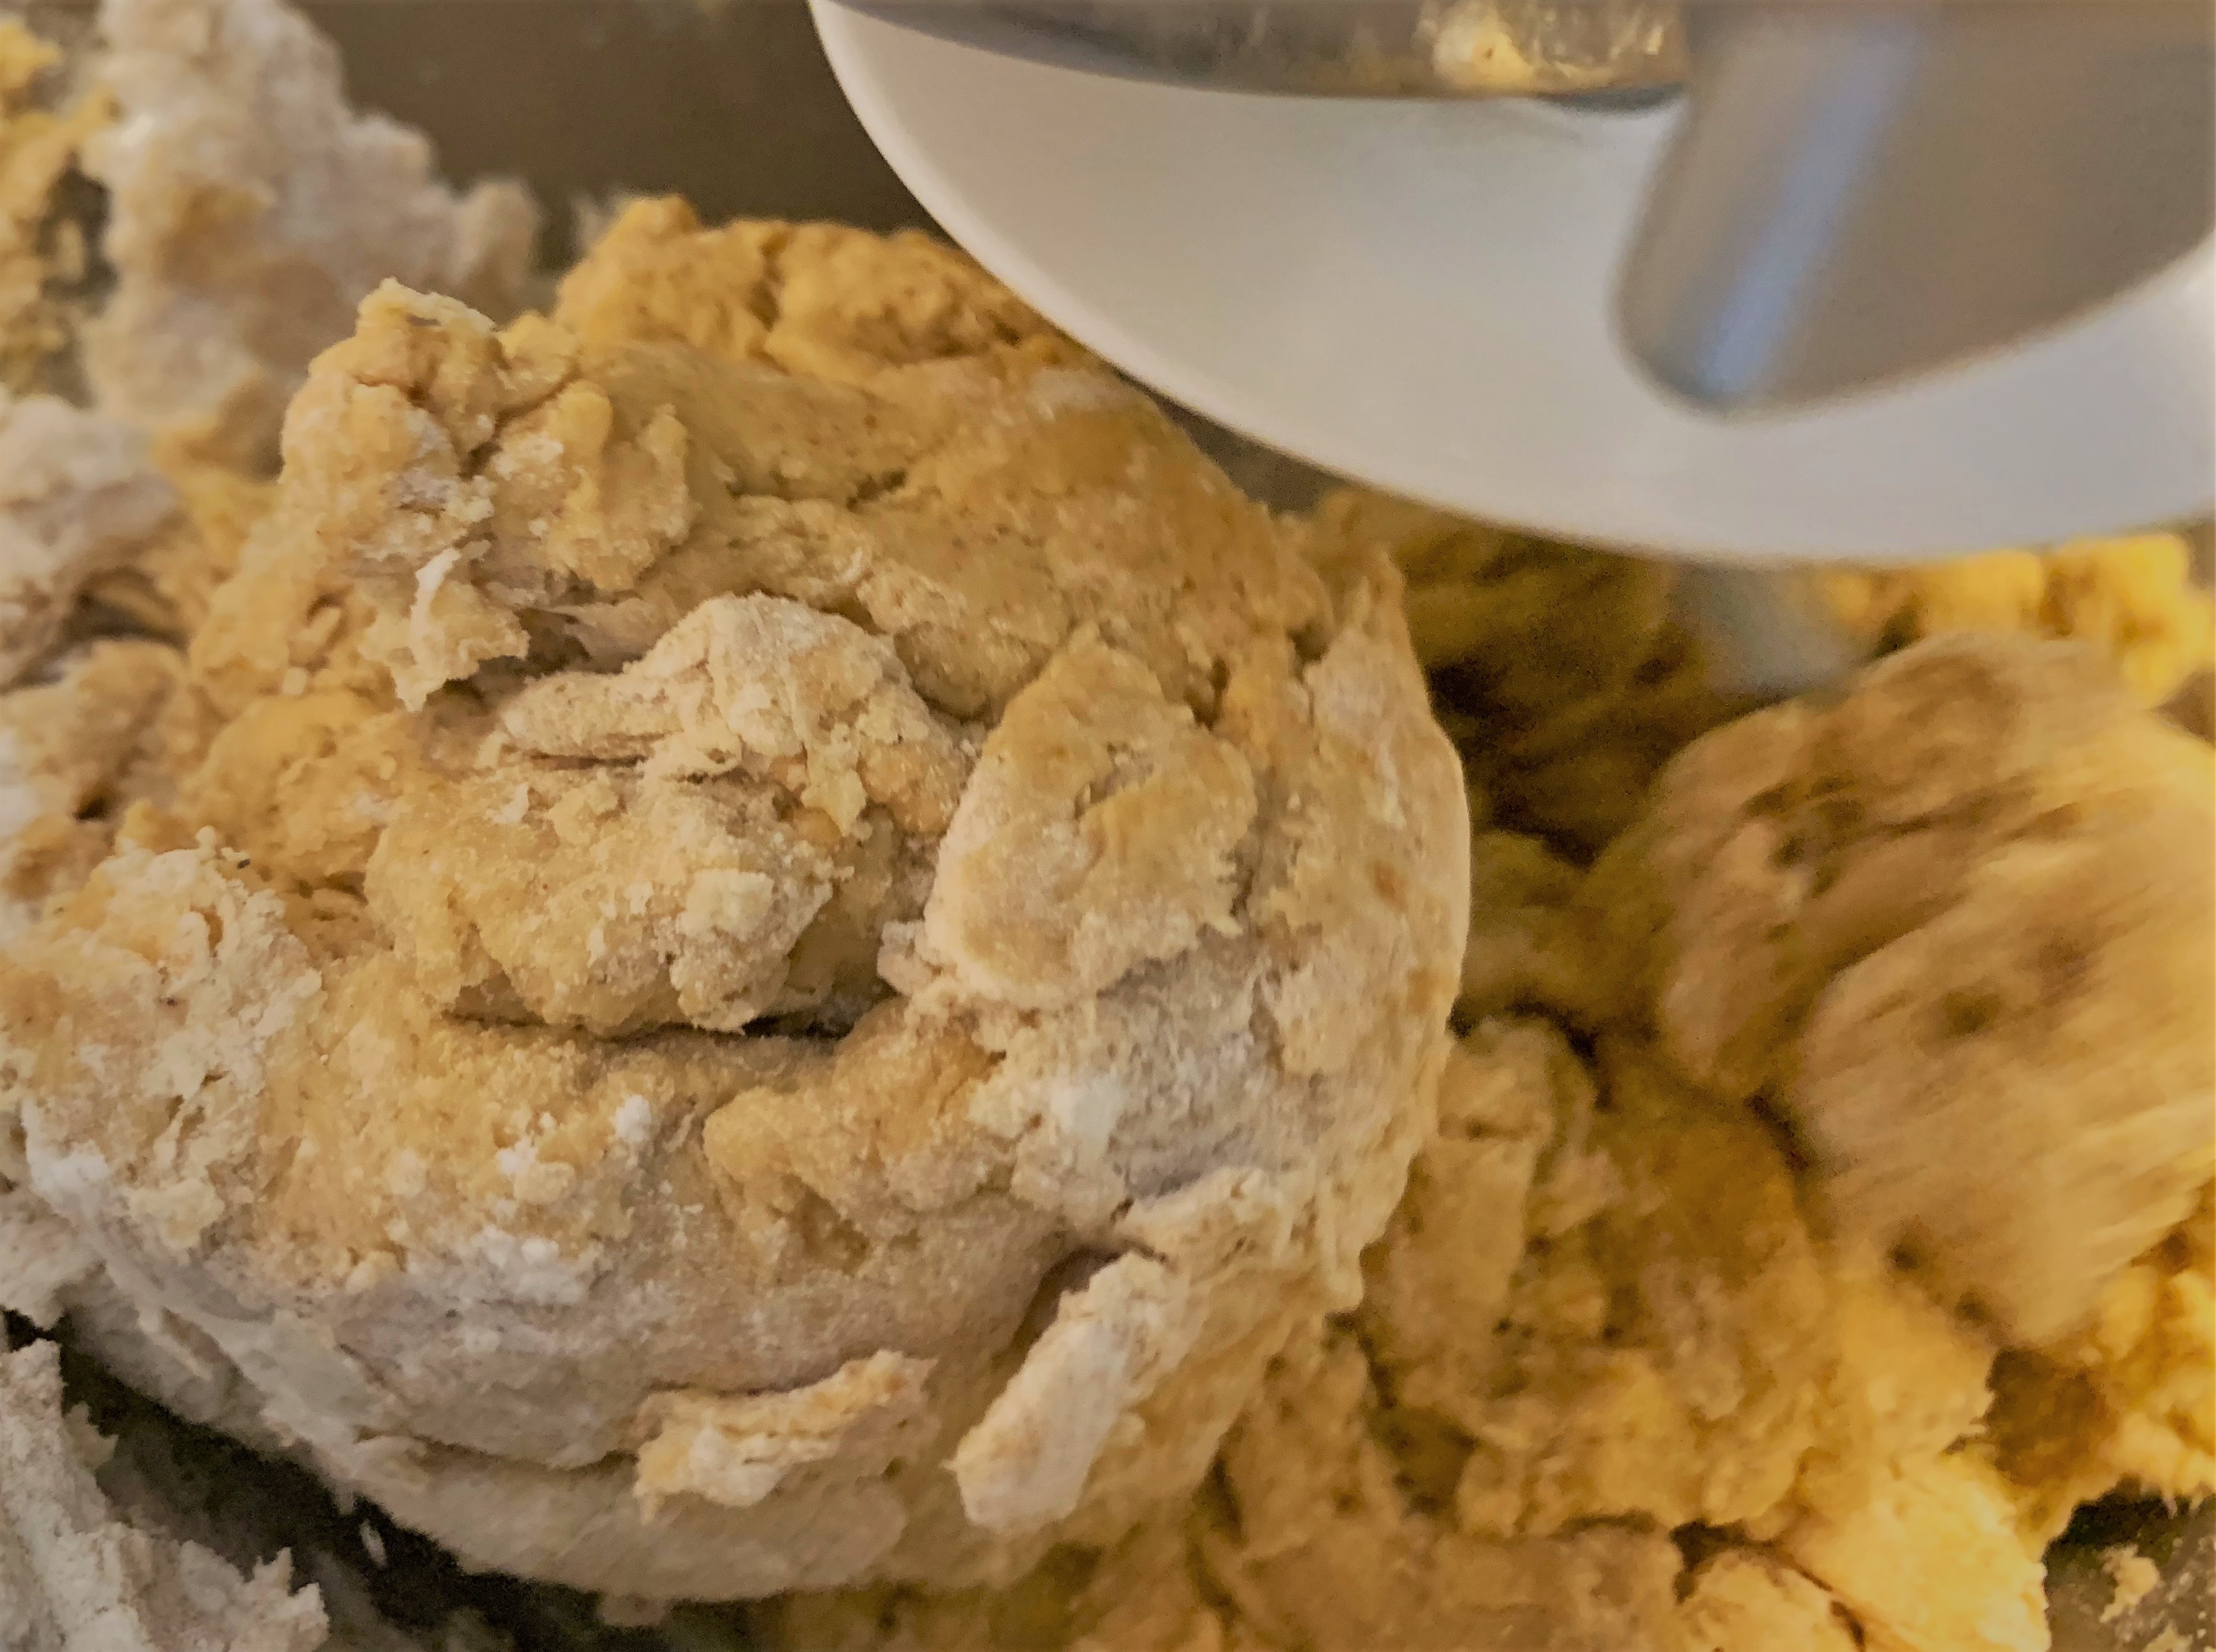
(1634, 1368)
(783, 951)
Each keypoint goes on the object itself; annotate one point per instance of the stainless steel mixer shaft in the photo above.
(1859, 193)
(1417, 48)
(1858, 190)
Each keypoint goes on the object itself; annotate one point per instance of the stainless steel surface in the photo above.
(727, 102)
(2084, 1607)
(1859, 194)
(1765, 635)
(1430, 48)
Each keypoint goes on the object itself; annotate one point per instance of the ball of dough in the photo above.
(1953, 928)
(802, 944)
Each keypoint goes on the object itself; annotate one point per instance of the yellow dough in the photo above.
(1634, 1367)
(2133, 598)
(43, 255)
(1924, 925)
(1561, 723)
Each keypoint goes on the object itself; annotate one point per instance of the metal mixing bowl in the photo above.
(730, 103)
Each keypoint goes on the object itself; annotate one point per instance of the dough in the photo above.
(1922, 923)
(1560, 726)
(796, 952)
(74, 754)
(189, 210)
(74, 1574)
(2133, 598)
(44, 254)
(1625, 1374)
(755, 936)
(2130, 1399)
(1598, 1315)
(78, 498)
(248, 210)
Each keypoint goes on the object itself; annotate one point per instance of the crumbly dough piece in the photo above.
(75, 754)
(1612, 1305)
(1651, 1332)
(78, 498)
(1746, 1600)
(209, 124)
(1598, 1315)
(1932, 1559)
(1333, 1547)
(2129, 1401)
(791, 785)
(43, 251)
(2133, 598)
(1665, 1353)
(1922, 922)
(73, 1574)
(249, 208)
(1561, 727)
(786, 965)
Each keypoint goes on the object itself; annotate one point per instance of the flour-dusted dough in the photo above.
(248, 209)
(74, 1573)
(802, 942)
(1629, 1372)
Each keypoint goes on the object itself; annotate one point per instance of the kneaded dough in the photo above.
(796, 943)
(1926, 923)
